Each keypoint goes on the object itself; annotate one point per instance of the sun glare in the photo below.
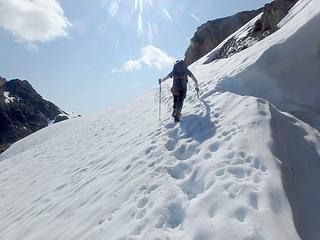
(143, 13)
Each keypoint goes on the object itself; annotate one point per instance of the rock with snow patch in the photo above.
(212, 33)
(23, 111)
(273, 13)
(267, 24)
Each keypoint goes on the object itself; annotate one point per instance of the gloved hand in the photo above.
(160, 80)
(197, 89)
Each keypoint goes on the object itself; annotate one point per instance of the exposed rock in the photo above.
(273, 13)
(60, 118)
(23, 111)
(2, 82)
(3, 147)
(211, 34)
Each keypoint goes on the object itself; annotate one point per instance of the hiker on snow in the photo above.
(180, 75)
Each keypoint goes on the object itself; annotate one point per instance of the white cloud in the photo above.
(150, 56)
(33, 21)
(130, 65)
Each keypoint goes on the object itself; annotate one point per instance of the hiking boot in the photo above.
(177, 115)
(174, 112)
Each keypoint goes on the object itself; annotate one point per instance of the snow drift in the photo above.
(242, 164)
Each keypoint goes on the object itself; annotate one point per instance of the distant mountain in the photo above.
(213, 33)
(23, 111)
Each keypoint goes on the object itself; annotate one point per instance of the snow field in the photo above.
(236, 167)
(90, 177)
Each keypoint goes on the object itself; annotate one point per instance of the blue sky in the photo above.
(89, 55)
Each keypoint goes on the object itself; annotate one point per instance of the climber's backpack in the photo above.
(180, 70)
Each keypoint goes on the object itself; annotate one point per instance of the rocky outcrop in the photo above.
(273, 13)
(23, 111)
(2, 82)
(211, 34)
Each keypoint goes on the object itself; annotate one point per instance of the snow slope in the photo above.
(236, 167)
(282, 68)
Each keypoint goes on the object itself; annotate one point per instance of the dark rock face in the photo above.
(60, 118)
(211, 34)
(23, 111)
(273, 13)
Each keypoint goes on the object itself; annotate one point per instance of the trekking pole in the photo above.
(159, 99)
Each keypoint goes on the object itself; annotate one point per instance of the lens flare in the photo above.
(140, 24)
(144, 13)
(167, 14)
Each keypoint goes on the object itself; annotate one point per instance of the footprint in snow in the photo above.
(241, 214)
(152, 164)
(151, 189)
(241, 171)
(186, 151)
(220, 172)
(173, 216)
(214, 147)
(179, 171)
(143, 202)
(170, 145)
(150, 149)
(207, 156)
(193, 186)
(230, 131)
(141, 214)
(253, 197)
(230, 155)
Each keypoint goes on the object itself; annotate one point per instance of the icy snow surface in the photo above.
(236, 167)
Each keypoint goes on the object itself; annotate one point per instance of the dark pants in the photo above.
(179, 91)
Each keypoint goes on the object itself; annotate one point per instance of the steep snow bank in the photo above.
(296, 147)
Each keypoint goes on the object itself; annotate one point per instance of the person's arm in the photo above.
(165, 78)
(194, 79)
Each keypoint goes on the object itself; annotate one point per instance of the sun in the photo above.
(140, 12)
